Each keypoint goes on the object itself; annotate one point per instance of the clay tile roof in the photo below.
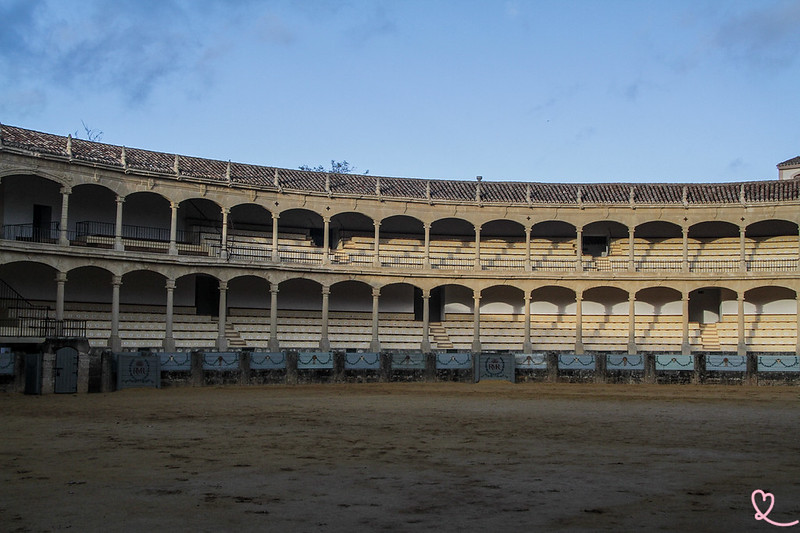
(790, 162)
(48, 145)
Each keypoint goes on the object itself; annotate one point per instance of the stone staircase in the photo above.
(439, 337)
(235, 341)
(709, 337)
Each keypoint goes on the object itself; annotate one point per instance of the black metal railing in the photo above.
(90, 228)
(32, 233)
(38, 327)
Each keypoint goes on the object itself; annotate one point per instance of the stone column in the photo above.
(326, 240)
(631, 249)
(742, 261)
(376, 258)
(425, 345)
(324, 342)
(632, 322)
(169, 338)
(274, 344)
(476, 322)
(173, 229)
(528, 265)
(114, 342)
(63, 239)
(275, 217)
(685, 255)
(427, 263)
(741, 346)
(477, 247)
(118, 225)
(686, 347)
(223, 246)
(61, 280)
(222, 341)
(578, 322)
(579, 248)
(375, 345)
(527, 345)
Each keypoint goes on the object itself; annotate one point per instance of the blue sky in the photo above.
(555, 91)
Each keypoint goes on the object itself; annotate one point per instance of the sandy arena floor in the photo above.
(404, 457)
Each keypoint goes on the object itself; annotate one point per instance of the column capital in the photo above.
(326, 290)
(578, 294)
(226, 210)
(376, 223)
(427, 225)
(275, 216)
(174, 206)
(61, 277)
(66, 189)
(223, 285)
(116, 281)
(526, 296)
(376, 292)
(326, 219)
(273, 288)
(120, 199)
(170, 285)
(426, 294)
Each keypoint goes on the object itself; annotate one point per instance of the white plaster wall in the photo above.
(397, 299)
(457, 299)
(605, 301)
(659, 301)
(553, 301)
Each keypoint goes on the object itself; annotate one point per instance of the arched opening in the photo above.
(770, 319)
(31, 208)
(300, 314)
(772, 245)
(199, 223)
(659, 319)
(605, 238)
(503, 245)
(605, 319)
(352, 238)
(710, 316)
(400, 308)
(248, 317)
(452, 244)
(502, 318)
(553, 246)
(146, 218)
(402, 241)
(658, 245)
(553, 318)
(714, 247)
(249, 232)
(350, 316)
(92, 215)
(455, 310)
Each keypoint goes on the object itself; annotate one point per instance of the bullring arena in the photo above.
(640, 324)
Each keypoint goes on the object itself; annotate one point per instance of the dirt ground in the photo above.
(401, 457)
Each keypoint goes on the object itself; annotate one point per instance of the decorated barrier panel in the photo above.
(674, 362)
(624, 362)
(408, 361)
(454, 361)
(267, 361)
(221, 361)
(362, 361)
(134, 370)
(778, 363)
(576, 362)
(499, 367)
(726, 363)
(315, 361)
(530, 361)
(175, 361)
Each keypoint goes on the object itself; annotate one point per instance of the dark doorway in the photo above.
(436, 304)
(42, 218)
(206, 295)
(596, 246)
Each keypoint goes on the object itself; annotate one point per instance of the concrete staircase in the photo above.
(439, 337)
(235, 341)
(709, 337)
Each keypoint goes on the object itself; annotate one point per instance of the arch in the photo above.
(31, 208)
(605, 300)
(771, 228)
(247, 292)
(146, 215)
(502, 300)
(88, 283)
(344, 226)
(713, 230)
(33, 280)
(501, 228)
(708, 304)
(553, 229)
(451, 228)
(143, 287)
(659, 301)
(552, 300)
(92, 208)
(302, 222)
(352, 296)
(658, 230)
(597, 237)
(406, 224)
